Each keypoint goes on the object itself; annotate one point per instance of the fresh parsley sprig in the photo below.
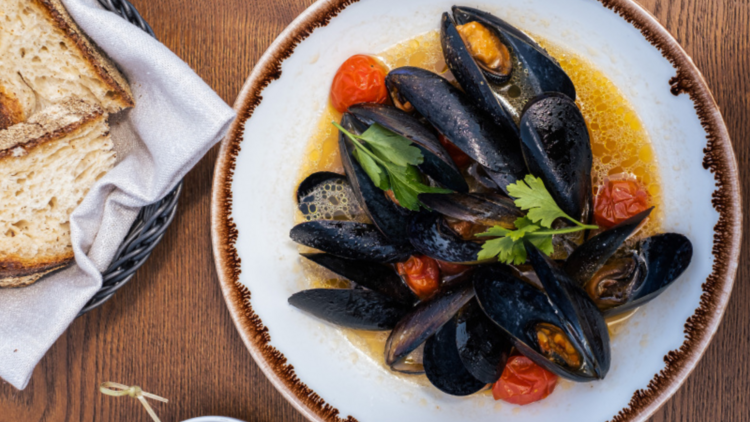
(529, 195)
(390, 161)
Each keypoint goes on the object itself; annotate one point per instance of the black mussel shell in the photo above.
(358, 309)
(391, 219)
(517, 307)
(443, 365)
(327, 196)
(426, 318)
(437, 162)
(534, 73)
(556, 146)
(454, 115)
(431, 236)
(349, 239)
(378, 277)
(580, 314)
(666, 257)
(487, 209)
(482, 345)
(588, 258)
(472, 78)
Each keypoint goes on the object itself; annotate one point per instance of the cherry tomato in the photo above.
(421, 274)
(361, 79)
(619, 200)
(523, 382)
(459, 157)
(449, 268)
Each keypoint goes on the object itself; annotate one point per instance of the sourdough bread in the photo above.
(45, 58)
(47, 166)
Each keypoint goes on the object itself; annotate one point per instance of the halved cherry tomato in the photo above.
(360, 79)
(459, 157)
(449, 268)
(618, 200)
(421, 274)
(523, 382)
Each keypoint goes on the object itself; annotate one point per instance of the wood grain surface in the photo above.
(169, 330)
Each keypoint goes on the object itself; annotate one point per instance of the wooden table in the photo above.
(169, 331)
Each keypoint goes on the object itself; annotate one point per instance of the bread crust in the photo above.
(44, 128)
(95, 57)
(11, 111)
(26, 280)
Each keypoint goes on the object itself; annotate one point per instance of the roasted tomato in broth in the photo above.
(421, 273)
(360, 79)
(619, 199)
(523, 382)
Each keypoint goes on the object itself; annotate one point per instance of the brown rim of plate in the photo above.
(699, 328)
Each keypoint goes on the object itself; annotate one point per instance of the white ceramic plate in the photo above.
(312, 363)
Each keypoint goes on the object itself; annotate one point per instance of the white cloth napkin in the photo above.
(177, 118)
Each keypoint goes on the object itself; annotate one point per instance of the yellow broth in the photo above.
(619, 142)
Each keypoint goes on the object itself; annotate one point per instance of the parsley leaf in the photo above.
(392, 147)
(389, 160)
(530, 195)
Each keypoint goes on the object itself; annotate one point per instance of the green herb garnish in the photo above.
(390, 160)
(529, 195)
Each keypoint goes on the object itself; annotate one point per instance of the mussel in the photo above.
(358, 309)
(444, 367)
(639, 275)
(349, 239)
(488, 209)
(377, 277)
(426, 318)
(561, 330)
(430, 235)
(391, 219)
(454, 115)
(497, 65)
(556, 146)
(437, 164)
(483, 347)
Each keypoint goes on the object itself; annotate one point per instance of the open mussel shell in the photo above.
(580, 314)
(588, 258)
(483, 347)
(377, 277)
(454, 115)
(518, 308)
(534, 70)
(327, 196)
(413, 363)
(352, 308)
(437, 163)
(430, 235)
(391, 219)
(487, 209)
(556, 146)
(666, 257)
(443, 365)
(426, 318)
(472, 77)
(351, 240)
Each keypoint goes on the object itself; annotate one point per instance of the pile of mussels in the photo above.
(511, 122)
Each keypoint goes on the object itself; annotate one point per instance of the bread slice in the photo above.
(47, 166)
(45, 58)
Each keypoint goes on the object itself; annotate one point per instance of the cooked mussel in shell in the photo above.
(444, 367)
(455, 116)
(437, 164)
(391, 219)
(352, 308)
(472, 40)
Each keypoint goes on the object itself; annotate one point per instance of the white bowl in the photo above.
(314, 366)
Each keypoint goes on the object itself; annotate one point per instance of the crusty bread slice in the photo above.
(45, 58)
(47, 166)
